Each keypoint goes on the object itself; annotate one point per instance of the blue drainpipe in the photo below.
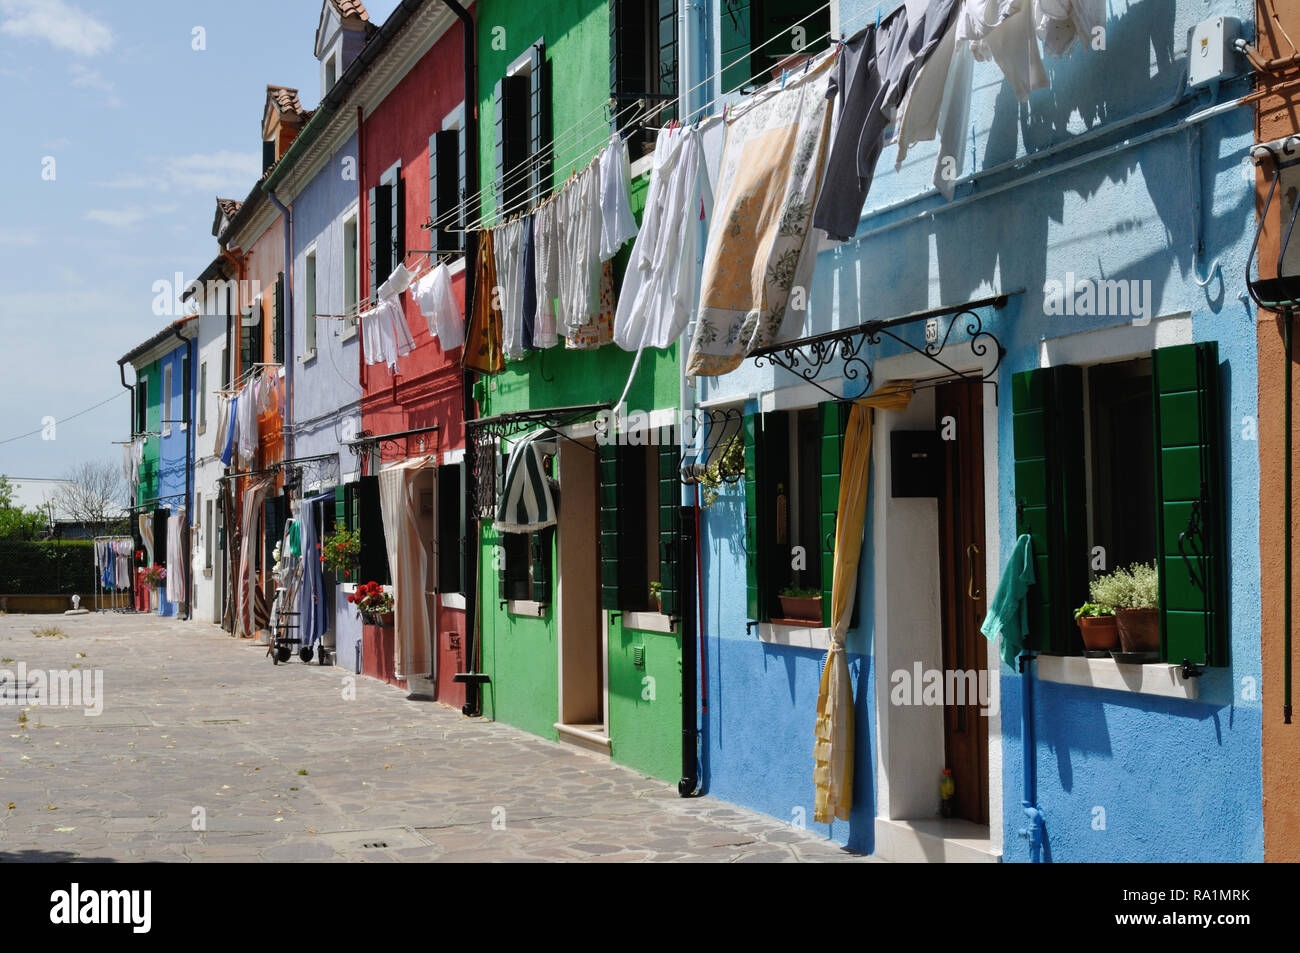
(1034, 832)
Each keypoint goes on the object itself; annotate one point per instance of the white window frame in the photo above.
(309, 281)
(352, 218)
(165, 411)
(203, 397)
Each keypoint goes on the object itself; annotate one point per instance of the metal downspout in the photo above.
(286, 431)
(1034, 832)
(469, 555)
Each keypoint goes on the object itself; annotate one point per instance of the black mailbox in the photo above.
(916, 463)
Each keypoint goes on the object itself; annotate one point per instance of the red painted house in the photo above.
(411, 144)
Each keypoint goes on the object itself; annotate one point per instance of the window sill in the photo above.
(804, 637)
(349, 332)
(526, 607)
(1157, 678)
(309, 355)
(648, 622)
(453, 600)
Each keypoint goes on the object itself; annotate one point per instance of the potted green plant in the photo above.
(729, 468)
(340, 553)
(656, 596)
(1097, 626)
(1133, 592)
(801, 603)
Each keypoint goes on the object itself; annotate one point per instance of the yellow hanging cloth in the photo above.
(833, 751)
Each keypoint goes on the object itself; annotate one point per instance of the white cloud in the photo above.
(222, 173)
(9, 236)
(117, 217)
(89, 78)
(62, 26)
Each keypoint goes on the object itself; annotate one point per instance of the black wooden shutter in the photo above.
(1191, 503)
(671, 597)
(397, 220)
(1047, 423)
(268, 153)
(277, 328)
(451, 527)
(513, 579)
(499, 140)
(542, 544)
(462, 187)
(374, 551)
(160, 537)
(445, 185)
(187, 385)
(539, 122)
(380, 203)
(628, 69)
(609, 525)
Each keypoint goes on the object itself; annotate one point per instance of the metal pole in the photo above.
(1287, 342)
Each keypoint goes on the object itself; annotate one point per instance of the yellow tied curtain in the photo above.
(833, 752)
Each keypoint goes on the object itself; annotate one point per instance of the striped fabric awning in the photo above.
(526, 504)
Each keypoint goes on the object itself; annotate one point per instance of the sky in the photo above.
(121, 124)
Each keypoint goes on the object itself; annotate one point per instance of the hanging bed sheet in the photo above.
(759, 246)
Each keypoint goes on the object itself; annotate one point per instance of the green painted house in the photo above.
(581, 629)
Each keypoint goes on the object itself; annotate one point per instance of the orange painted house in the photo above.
(1277, 116)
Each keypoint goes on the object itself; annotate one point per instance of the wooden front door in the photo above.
(959, 412)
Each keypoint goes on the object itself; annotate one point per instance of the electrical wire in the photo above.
(60, 420)
(526, 167)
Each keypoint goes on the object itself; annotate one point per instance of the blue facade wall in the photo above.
(1177, 779)
(174, 446)
(327, 392)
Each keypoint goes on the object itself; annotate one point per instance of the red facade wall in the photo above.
(426, 390)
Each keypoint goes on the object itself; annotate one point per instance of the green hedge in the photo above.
(47, 568)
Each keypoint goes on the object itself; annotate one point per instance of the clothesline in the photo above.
(525, 166)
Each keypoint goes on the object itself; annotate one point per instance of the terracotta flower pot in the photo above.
(1100, 633)
(1139, 629)
(803, 609)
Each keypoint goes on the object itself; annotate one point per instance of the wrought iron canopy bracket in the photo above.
(366, 443)
(724, 426)
(846, 348)
(1281, 293)
(483, 437)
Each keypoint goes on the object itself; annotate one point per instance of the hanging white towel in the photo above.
(437, 303)
(547, 273)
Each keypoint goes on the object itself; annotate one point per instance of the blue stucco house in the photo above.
(1072, 321)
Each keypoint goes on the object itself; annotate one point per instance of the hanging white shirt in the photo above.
(661, 284)
(437, 303)
(617, 223)
(546, 240)
(1003, 30)
(386, 334)
(580, 271)
(937, 104)
(507, 251)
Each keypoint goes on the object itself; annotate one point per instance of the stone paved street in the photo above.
(283, 768)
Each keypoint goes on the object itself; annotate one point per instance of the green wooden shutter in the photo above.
(539, 121)
(542, 545)
(831, 420)
(609, 535)
(1191, 503)
(374, 550)
(670, 528)
(756, 576)
(1047, 423)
